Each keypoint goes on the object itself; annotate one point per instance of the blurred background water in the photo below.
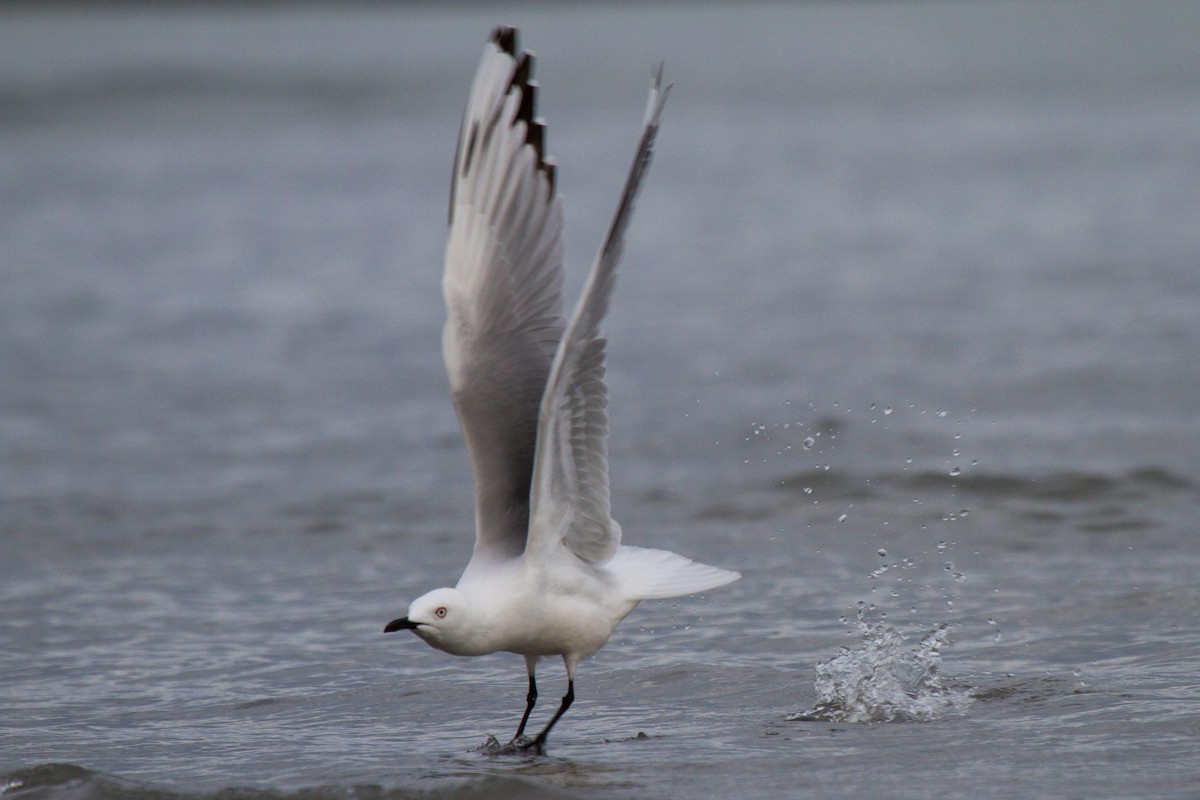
(907, 329)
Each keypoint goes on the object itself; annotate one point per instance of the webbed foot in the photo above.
(518, 746)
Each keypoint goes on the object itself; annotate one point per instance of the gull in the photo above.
(548, 575)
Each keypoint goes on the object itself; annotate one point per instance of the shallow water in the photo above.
(907, 318)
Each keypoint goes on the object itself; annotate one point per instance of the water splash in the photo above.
(517, 747)
(887, 679)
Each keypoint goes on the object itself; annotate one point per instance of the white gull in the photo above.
(548, 575)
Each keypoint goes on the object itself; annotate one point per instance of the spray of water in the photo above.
(888, 679)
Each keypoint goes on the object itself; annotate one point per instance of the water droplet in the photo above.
(882, 553)
(808, 490)
(809, 442)
(887, 411)
(964, 512)
(955, 472)
(841, 518)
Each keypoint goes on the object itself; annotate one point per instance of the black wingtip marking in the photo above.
(471, 137)
(505, 37)
(535, 129)
(536, 136)
(523, 70)
(479, 132)
(528, 103)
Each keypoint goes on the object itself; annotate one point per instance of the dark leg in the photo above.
(568, 698)
(530, 701)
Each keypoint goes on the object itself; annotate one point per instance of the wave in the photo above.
(60, 781)
(172, 89)
(767, 498)
(1061, 485)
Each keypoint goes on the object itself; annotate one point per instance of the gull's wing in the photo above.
(503, 289)
(570, 500)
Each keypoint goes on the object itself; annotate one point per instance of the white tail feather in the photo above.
(646, 574)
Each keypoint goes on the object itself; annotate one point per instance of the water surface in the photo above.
(908, 318)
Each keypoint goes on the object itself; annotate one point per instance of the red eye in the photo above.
(440, 612)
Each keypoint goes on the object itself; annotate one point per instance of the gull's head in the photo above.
(445, 619)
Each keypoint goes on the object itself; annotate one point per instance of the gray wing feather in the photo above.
(503, 289)
(570, 500)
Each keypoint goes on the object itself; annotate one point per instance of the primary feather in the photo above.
(503, 290)
(570, 500)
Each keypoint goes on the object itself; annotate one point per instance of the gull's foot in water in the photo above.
(523, 746)
(528, 744)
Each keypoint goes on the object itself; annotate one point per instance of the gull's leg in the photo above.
(568, 698)
(531, 697)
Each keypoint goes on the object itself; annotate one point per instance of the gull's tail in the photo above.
(654, 574)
